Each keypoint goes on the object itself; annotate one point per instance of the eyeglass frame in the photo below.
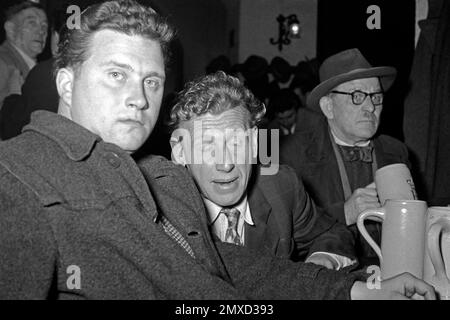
(371, 94)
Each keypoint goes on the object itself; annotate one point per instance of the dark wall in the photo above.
(342, 25)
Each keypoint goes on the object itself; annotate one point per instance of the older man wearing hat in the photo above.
(336, 151)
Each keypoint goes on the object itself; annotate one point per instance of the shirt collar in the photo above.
(342, 143)
(290, 130)
(214, 210)
(28, 60)
(76, 141)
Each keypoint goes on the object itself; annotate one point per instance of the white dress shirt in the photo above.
(288, 131)
(219, 225)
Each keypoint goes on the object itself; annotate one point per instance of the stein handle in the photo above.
(372, 214)
(434, 232)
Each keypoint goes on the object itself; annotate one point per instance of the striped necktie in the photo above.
(232, 235)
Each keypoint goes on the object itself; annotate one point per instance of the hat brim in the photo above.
(386, 74)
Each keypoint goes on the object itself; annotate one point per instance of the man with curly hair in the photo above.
(215, 119)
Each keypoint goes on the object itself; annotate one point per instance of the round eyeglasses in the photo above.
(359, 96)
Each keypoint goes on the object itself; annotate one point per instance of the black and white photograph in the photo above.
(230, 157)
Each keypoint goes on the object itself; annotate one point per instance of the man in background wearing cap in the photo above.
(337, 153)
(26, 32)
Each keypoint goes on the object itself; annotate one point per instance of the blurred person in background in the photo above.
(26, 33)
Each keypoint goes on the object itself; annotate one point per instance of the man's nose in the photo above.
(42, 28)
(368, 105)
(136, 96)
(225, 167)
(226, 164)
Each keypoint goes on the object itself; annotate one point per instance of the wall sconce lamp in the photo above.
(288, 28)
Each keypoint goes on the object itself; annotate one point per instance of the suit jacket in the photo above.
(287, 222)
(10, 62)
(71, 204)
(309, 151)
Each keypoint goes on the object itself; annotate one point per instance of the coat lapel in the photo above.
(189, 218)
(259, 234)
(320, 152)
(385, 156)
(18, 60)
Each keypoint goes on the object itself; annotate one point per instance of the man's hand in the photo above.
(324, 260)
(361, 199)
(401, 287)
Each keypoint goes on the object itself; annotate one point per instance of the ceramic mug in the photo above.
(395, 182)
(402, 237)
(437, 251)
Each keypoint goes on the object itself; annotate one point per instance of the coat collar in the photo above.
(76, 141)
(384, 154)
(30, 62)
(182, 206)
(17, 57)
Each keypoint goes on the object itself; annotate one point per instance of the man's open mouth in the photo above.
(224, 182)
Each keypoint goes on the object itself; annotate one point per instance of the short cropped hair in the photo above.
(214, 93)
(14, 10)
(124, 16)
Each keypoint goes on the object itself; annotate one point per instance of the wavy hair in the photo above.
(124, 16)
(214, 93)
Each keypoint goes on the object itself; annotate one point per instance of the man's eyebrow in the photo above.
(113, 63)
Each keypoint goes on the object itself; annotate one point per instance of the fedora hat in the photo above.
(346, 66)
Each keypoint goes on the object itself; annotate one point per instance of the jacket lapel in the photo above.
(18, 60)
(320, 152)
(188, 218)
(384, 155)
(259, 234)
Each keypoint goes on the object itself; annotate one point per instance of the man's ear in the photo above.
(326, 105)
(64, 85)
(10, 30)
(177, 145)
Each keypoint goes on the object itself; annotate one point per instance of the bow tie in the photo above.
(357, 153)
